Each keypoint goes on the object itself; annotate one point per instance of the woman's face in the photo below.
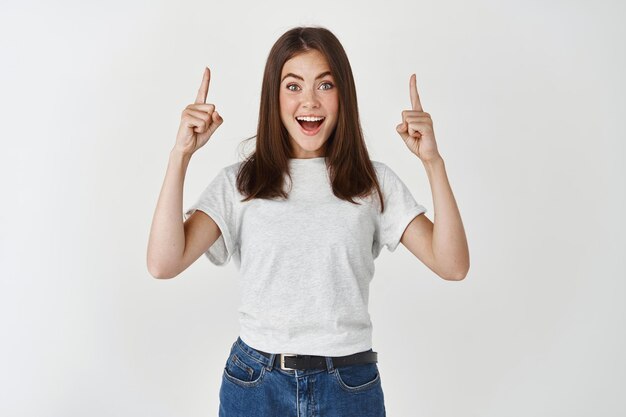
(308, 89)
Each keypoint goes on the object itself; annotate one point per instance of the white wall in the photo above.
(527, 99)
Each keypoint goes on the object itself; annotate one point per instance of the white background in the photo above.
(527, 100)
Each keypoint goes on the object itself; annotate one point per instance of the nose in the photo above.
(310, 99)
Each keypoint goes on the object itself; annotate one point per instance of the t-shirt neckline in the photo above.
(318, 160)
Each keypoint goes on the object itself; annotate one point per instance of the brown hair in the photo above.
(262, 173)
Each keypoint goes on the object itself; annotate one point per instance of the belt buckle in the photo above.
(282, 360)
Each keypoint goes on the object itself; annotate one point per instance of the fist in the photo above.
(416, 128)
(199, 120)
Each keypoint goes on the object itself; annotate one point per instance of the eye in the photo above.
(329, 84)
(291, 85)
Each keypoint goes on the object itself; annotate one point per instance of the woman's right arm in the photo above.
(174, 245)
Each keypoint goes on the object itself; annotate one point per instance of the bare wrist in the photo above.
(434, 162)
(179, 155)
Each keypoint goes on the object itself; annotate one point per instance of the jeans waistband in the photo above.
(269, 359)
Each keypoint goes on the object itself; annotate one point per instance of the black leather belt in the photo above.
(288, 361)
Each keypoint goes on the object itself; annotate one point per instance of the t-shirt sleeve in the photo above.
(217, 200)
(400, 209)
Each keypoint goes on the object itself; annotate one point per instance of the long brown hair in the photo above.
(262, 173)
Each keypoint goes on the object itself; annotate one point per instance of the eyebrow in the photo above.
(300, 78)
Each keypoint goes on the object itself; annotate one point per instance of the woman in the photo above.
(304, 217)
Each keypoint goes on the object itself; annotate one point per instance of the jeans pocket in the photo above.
(243, 370)
(357, 378)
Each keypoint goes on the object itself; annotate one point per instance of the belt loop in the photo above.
(270, 365)
(329, 364)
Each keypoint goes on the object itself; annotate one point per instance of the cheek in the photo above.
(281, 103)
(283, 112)
(332, 104)
(333, 107)
(286, 106)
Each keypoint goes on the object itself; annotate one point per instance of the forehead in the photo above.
(309, 63)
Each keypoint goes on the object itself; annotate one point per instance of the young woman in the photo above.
(304, 217)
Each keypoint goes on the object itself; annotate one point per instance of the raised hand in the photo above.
(416, 128)
(199, 120)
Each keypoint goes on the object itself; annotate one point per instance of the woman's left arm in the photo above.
(441, 245)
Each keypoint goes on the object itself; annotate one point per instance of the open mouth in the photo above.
(311, 125)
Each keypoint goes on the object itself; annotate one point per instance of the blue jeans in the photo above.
(253, 387)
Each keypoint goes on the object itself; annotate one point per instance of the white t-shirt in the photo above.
(305, 263)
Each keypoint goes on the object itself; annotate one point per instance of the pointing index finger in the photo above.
(415, 98)
(204, 87)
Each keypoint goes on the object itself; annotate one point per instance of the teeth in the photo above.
(309, 119)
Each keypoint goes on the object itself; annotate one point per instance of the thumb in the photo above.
(402, 130)
(217, 118)
(217, 122)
